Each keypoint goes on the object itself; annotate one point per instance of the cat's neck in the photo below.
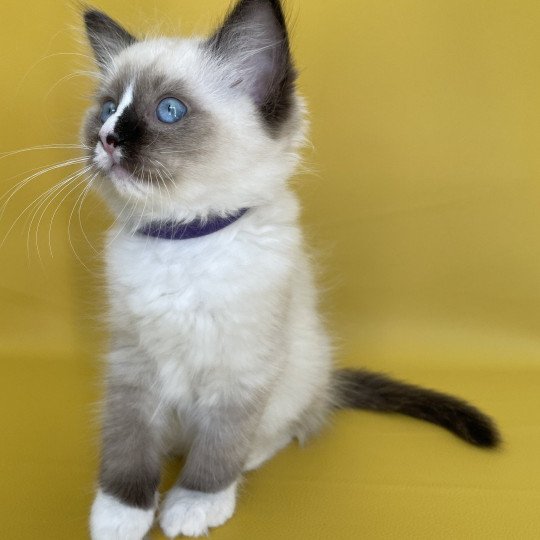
(175, 230)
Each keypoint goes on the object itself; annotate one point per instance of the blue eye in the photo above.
(170, 110)
(108, 109)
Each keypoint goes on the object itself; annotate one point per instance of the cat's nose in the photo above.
(109, 142)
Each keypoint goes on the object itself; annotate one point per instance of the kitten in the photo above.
(218, 352)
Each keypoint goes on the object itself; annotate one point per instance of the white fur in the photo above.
(112, 520)
(191, 513)
(238, 304)
(105, 161)
(229, 313)
(125, 101)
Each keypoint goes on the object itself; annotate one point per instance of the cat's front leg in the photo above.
(205, 494)
(125, 503)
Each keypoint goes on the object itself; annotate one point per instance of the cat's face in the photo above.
(184, 127)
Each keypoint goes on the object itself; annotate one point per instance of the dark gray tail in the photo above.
(359, 389)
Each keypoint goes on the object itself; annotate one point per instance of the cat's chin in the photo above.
(124, 182)
(117, 172)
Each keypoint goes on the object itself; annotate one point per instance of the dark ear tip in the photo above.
(92, 16)
(106, 36)
(87, 10)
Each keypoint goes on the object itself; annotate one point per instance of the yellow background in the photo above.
(422, 204)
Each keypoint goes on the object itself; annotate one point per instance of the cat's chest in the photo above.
(188, 294)
(199, 309)
(166, 279)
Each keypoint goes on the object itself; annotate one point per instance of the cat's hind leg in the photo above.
(265, 450)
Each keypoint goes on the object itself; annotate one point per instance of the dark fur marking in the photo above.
(277, 101)
(134, 489)
(106, 36)
(144, 139)
(131, 459)
(132, 132)
(360, 389)
(221, 445)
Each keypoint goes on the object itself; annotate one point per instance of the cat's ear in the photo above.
(254, 42)
(106, 36)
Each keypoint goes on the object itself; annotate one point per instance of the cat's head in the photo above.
(188, 127)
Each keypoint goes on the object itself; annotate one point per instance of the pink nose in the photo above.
(110, 142)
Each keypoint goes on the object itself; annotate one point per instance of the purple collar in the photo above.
(172, 230)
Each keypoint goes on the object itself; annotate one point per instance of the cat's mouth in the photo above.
(113, 166)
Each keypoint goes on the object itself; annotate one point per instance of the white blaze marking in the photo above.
(108, 126)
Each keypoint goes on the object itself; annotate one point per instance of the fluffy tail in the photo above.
(359, 389)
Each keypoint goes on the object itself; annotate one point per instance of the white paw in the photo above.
(190, 513)
(110, 519)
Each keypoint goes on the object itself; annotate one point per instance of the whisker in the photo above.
(123, 227)
(58, 185)
(152, 209)
(35, 201)
(11, 192)
(86, 192)
(162, 182)
(167, 173)
(42, 59)
(92, 74)
(169, 176)
(160, 195)
(38, 202)
(58, 206)
(144, 207)
(62, 79)
(44, 147)
(80, 198)
(50, 195)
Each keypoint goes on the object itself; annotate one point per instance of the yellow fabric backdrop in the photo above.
(422, 203)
